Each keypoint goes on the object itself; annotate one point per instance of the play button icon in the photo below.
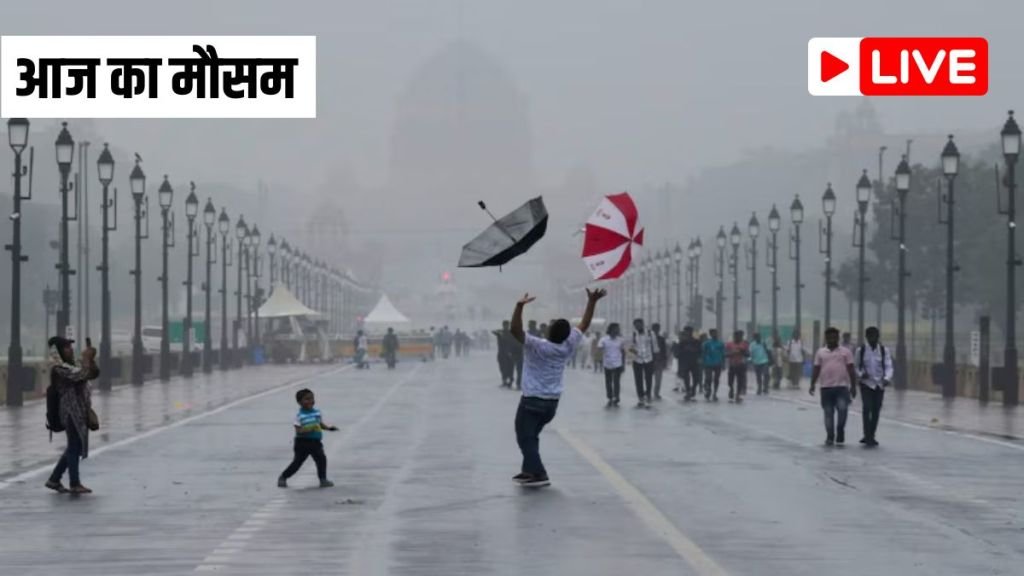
(831, 66)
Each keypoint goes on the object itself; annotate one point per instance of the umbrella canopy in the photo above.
(385, 313)
(508, 237)
(609, 236)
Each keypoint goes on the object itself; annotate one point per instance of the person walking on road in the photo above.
(69, 385)
(544, 366)
(737, 352)
(611, 350)
(796, 355)
(661, 362)
(688, 352)
(362, 347)
(583, 352)
(389, 347)
(833, 366)
(874, 370)
(309, 427)
(713, 358)
(595, 352)
(505, 360)
(778, 361)
(643, 347)
(761, 358)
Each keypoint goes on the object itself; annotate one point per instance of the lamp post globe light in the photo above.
(902, 189)
(191, 211)
(828, 207)
(165, 195)
(105, 171)
(774, 224)
(796, 217)
(863, 197)
(65, 146)
(241, 233)
(753, 230)
(137, 181)
(720, 241)
(224, 227)
(950, 167)
(734, 240)
(1011, 151)
(17, 138)
(209, 219)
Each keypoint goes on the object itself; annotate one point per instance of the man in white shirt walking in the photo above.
(874, 369)
(644, 345)
(795, 355)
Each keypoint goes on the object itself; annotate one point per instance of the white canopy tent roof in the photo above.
(282, 303)
(385, 314)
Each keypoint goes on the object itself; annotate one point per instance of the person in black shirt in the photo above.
(688, 362)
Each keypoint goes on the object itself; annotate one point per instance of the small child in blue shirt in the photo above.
(309, 427)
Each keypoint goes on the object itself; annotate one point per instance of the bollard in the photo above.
(983, 359)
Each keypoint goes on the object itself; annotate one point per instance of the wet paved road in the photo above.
(423, 465)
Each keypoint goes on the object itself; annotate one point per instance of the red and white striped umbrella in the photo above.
(610, 234)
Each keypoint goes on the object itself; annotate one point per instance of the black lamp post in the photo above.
(209, 219)
(105, 169)
(796, 215)
(860, 242)
(17, 136)
(191, 211)
(257, 298)
(734, 263)
(286, 255)
(241, 233)
(754, 230)
(657, 274)
(677, 254)
(1011, 150)
(698, 309)
(65, 152)
(950, 167)
(666, 275)
(224, 227)
(165, 196)
(828, 206)
(774, 224)
(902, 188)
(137, 179)
(272, 252)
(720, 275)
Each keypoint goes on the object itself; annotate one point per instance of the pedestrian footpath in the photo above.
(130, 410)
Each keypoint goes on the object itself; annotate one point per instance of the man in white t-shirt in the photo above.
(544, 361)
(795, 355)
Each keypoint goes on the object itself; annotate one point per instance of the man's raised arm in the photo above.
(517, 318)
(588, 314)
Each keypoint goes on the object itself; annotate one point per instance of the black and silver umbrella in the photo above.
(508, 237)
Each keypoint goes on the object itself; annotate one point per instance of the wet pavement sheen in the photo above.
(423, 464)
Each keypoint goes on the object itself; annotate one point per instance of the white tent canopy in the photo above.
(282, 303)
(385, 314)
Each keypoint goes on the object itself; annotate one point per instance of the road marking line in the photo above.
(968, 435)
(177, 424)
(687, 549)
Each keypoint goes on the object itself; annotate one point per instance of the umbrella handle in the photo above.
(496, 223)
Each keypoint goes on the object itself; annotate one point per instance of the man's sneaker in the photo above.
(863, 440)
(521, 477)
(829, 441)
(840, 437)
(872, 443)
(326, 484)
(80, 489)
(536, 482)
(282, 483)
(56, 487)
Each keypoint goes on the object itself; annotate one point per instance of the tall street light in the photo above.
(209, 219)
(191, 211)
(1011, 150)
(695, 297)
(753, 230)
(224, 227)
(658, 277)
(272, 252)
(257, 272)
(828, 207)
(286, 255)
(860, 242)
(105, 170)
(65, 152)
(774, 223)
(165, 196)
(666, 274)
(137, 179)
(241, 233)
(735, 238)
(902, 189)
(17, 137)
(720, 276)
(950, 167)
(796, 216)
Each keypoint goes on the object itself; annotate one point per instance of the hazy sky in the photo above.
(642, 91)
